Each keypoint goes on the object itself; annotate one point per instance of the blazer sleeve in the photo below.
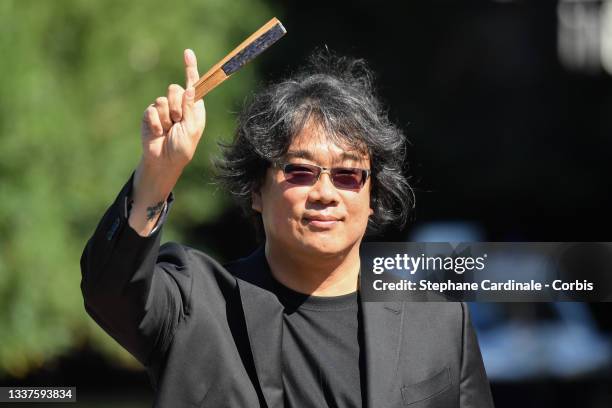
(474, 388)
(135, 290)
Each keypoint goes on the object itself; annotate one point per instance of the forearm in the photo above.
(124, 289)
(151, 189)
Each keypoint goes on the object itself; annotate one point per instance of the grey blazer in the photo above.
(210, 334)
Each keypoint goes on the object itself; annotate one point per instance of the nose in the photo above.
(323, 190)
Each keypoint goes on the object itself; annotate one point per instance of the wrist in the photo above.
(154, 181)
(151, 189)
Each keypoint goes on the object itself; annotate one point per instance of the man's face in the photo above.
(295, 217)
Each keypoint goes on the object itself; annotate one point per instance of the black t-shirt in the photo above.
(321, 358)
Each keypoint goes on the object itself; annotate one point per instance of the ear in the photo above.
(256, 203)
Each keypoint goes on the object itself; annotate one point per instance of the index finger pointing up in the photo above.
(191, 68)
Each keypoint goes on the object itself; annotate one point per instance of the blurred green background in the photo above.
(76, 77)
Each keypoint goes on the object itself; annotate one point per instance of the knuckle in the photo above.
(157, 128)
(174, 88)
(161, 101)
(149, 112)
(162, 111)
(165, 119)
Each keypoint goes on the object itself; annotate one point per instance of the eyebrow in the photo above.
(305, 154)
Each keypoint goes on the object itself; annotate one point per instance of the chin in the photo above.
(325, 247)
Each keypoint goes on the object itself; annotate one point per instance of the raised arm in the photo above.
(171, 129)
(135, 290)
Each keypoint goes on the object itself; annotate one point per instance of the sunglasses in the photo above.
(345, 178)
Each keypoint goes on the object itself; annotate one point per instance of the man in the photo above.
(317, 163)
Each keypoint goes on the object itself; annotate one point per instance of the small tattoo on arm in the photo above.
(154, 210)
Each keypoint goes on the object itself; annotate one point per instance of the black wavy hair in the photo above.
(337, 94)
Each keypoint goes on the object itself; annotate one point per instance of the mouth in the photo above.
(321, 222)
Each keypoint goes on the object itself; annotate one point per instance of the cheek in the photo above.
(359, 212)
(359, 207)
(283, 208)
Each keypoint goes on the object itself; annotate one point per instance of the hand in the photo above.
(173, 125)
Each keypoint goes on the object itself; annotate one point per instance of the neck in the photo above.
(333, 275)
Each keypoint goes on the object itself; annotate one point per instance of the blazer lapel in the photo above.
(263, 317)
(382, 330)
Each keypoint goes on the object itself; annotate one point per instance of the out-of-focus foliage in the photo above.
(76, 76)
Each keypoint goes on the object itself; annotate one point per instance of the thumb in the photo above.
(187, 105)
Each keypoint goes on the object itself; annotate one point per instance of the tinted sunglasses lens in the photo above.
(302, 175)
(350, 179)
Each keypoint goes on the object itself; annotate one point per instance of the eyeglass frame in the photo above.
(283, 164)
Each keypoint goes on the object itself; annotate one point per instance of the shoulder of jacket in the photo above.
(183, 257)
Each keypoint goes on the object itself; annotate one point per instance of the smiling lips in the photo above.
(322, 221)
